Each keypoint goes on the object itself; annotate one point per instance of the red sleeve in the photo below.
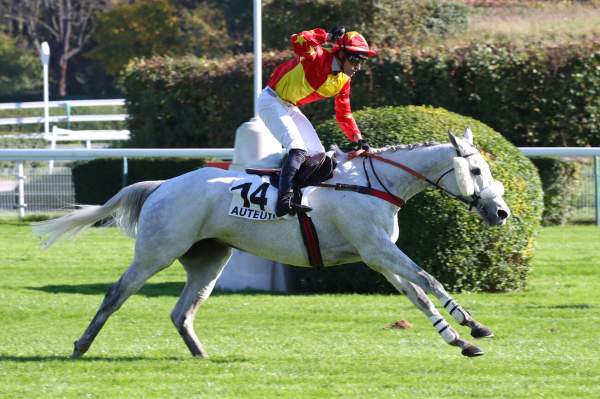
(308, 43)
(343, 113)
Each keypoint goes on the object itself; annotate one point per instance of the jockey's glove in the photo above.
(363, 145)
(336, 32)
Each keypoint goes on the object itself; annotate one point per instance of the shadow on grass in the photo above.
(148, 290)
(124, 359)
(563, 306)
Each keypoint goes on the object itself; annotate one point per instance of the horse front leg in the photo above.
(418, 297)
(384, 255)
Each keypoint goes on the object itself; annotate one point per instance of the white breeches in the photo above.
(287, 123)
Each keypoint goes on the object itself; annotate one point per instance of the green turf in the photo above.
(264, 346)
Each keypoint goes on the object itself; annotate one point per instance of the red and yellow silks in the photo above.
(309, 77)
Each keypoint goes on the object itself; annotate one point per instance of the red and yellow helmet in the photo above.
(354, 42)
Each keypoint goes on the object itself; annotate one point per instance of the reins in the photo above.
(387, 195)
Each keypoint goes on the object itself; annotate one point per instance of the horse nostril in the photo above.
(502, 214)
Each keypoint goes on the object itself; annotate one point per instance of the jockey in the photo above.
(317, 72)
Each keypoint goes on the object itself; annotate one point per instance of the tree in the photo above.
(67, 25)
(20, 72)
(158, 27)
(136, 30)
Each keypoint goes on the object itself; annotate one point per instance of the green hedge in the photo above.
(189, 102)
(560, 181)
(535, 95)
(96, 181)
(438, 232)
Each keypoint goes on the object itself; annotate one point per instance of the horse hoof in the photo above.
(471, 351)
(77, 352)
(481, 332)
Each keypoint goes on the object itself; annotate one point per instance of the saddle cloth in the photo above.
(254, 197)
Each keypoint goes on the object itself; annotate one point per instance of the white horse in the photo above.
(186, 218)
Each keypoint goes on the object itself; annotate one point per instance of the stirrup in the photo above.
(285, 205)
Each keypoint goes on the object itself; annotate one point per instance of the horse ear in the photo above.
(453, 139)
(468, 136)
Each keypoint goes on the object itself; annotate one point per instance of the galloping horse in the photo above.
(187, 218)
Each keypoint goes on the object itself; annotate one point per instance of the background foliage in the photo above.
(388, 23)
(136, 30)
(560, 181)
(437, 232)
(180, 102)
(19, 70)
(536, 95)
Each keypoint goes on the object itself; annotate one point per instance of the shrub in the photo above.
(535, 95)
(437, 232)
(560, 181)
(96, 181)
(18, 70)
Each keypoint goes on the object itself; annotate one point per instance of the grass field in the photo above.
(547, 339)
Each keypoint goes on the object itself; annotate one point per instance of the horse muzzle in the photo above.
(494, 211)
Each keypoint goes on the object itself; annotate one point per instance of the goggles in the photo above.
(356, 58)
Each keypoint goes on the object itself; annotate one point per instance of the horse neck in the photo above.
(430, 161)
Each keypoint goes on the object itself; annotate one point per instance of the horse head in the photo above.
(474, 182)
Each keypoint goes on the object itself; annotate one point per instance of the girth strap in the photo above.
(399, 202)
(311, 240)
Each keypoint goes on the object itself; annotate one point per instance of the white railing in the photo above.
(55, 135)
(563, 152)
(21, 155)
(67, 105)
(63, 103)
(84, 154)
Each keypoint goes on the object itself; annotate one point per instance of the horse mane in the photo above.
(342, 156)
(409, 147)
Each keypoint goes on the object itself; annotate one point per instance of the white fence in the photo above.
(13, 188)
(55, 189)
(65, 135)
(67, 105)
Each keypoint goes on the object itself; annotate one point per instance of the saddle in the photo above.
(316, 169)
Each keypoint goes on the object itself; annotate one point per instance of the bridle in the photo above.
(473, 201)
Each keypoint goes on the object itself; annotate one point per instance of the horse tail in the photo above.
(125, 207)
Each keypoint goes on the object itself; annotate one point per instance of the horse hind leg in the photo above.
(203, 262)
(129, 283)
(418, 297)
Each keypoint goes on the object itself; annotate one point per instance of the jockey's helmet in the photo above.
(353, 44)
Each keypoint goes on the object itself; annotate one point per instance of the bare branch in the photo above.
(69, 23)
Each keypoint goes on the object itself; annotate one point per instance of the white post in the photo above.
(45, 57)
(257, 51)
(21, 190)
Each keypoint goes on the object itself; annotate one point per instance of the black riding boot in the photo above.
(294, 160)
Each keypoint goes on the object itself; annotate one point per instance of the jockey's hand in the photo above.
(363, 145)
(336, 33)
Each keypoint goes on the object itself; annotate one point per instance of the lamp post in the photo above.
(45, 57)
(257, 51)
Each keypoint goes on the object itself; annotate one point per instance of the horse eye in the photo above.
(476, 171)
